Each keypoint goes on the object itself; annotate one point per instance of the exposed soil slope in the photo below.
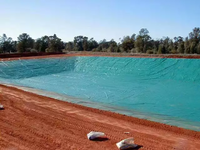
(103, 54)
(34, 122)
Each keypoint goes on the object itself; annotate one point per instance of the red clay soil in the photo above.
(103, 54)
(33, 122)
(28, 54)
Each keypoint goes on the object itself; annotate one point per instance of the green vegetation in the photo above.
(141, 43)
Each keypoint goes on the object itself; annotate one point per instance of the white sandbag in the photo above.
(126, 144)
(95, 135)
(1, 106)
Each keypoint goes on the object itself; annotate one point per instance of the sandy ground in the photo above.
(34, 122)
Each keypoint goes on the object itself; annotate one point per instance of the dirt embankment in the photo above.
(27, 54)
(7, 57)
(33, 122)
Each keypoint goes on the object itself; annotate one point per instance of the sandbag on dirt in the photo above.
(126, 144)
(1, 107)
(96, 135)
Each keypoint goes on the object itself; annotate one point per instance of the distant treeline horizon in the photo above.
(140, 43)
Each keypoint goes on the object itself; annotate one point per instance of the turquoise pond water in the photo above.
(164, 90)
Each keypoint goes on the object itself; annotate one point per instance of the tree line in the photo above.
(141, 43)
